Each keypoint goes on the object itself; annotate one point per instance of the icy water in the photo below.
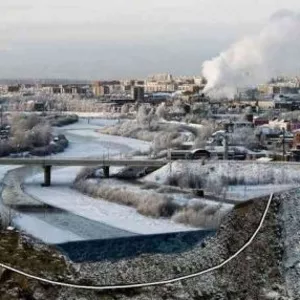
(59, 226)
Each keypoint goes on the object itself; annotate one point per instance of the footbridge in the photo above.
(48, 163)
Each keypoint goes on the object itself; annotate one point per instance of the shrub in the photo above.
(5, 148)
(63, 143)
(157, 206)
(6, 216)
(196, 216)
(85, 173)
(153, 205)
(173, 180)
(62, 120)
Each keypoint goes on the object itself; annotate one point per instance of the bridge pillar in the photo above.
(106, 172)
(47, 176)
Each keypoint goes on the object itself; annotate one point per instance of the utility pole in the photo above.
(226, 142)
(1, 112)
(226, 146)
(283, 143)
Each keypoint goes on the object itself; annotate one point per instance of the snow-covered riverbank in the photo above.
(61, 195)
(84, 141)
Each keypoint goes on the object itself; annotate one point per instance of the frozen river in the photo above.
(78, 217)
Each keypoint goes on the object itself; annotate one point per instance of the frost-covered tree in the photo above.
(41, 135)
(161, 111)
(244, 137)
(141, 116)
(125, 109)
(204, 133)
(167, 140)
(146, 118)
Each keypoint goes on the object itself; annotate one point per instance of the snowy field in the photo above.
(237, 180)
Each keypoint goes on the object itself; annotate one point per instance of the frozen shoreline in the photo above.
(61, 195)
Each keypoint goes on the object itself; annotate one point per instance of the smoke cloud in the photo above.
(274, 51)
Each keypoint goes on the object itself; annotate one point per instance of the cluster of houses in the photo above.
(275, 138)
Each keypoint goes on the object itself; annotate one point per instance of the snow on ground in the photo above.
(61, 195)
(106, 115)
(206, 202)
(5, 169)
(182, 199)
(259, 179)
(244, 192)
(198, 126)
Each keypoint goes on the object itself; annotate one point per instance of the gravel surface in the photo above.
(290, 218)
(255, 274)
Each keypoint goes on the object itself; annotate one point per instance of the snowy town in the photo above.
(149, 150)
(114, 161)
(258, 123)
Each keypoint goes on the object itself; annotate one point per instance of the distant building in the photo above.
(102, 88)
(155, 87)
(160, 83)
(39, 106)
(13, 88)
(160, 77)
(192, 88)
(287, 101)
(138, 93)
(99, 89)
(157, 98)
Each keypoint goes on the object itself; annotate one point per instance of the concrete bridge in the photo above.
(47, 164)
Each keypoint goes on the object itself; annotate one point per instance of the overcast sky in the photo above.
(96, 39)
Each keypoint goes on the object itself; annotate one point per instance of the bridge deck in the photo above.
(82, 162)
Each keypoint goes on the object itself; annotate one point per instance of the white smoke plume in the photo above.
(274, 51)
